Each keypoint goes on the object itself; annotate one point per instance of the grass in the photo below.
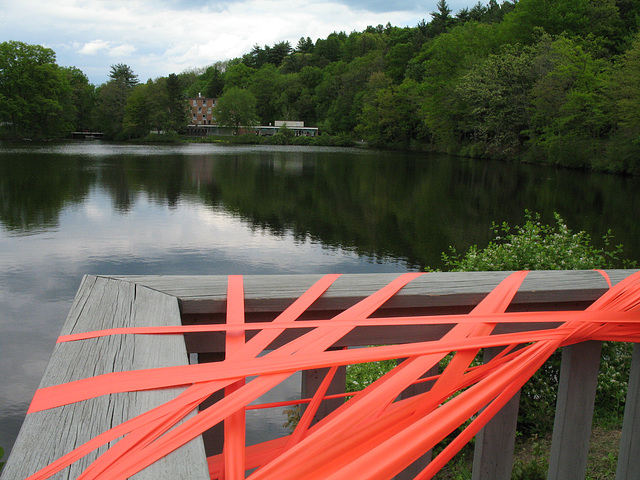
(531, 457)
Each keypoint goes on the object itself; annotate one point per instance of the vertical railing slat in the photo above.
(495, 443)
(574, 411)
(628, 464)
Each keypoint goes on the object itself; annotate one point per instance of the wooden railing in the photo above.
(107, 302)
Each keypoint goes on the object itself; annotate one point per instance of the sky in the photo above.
(159, 37)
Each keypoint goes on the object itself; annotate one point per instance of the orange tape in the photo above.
(372, 435)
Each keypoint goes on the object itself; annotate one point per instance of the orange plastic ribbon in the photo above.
(373, 435)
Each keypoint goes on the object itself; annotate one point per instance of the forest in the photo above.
(551, 82)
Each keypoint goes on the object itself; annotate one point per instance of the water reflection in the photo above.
(76, 208)
(382, 205)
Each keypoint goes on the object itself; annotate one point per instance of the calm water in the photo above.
(95, 208)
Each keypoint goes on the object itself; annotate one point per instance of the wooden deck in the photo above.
(107, 302)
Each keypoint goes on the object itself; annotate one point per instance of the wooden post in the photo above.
(493, 453)
(416, 467)
(214, 437)
(628, 464)
(574, 411)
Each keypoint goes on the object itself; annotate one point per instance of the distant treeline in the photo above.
(546, 82)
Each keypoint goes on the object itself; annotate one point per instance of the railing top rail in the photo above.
(265, 293)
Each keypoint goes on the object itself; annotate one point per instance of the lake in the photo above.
(90, 207)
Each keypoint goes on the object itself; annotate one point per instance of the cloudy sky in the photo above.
(159, 37)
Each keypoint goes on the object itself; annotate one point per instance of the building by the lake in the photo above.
(203, 123)
(202, 110)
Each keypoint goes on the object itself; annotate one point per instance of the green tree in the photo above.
(112, 98)
(570, 107)
(392, 117)
(238, 75)
(397, 59)
(329, 50)
(176, 106)
(266, 86)
(304, 45)
(279, 52)
(496, 95)
(624, 91)
(82, 99)
(33, 92)
(207, 82)
(296, 62)
(236, 108)
(214, 82)
(140, 111)
(439, 67)
(581, 18)
(156, 105)
(122, 73)
(258, 57)
(441, 20)
(340, 94)
(294, 101)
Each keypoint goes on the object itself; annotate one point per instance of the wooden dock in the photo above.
(104, 302)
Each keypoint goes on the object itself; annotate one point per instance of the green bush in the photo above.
(302, 140)
(538, 246)
(360, 375)
(284, 136)
(247, 139)
(170, 137)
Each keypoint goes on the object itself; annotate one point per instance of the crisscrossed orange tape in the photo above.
(372, 435)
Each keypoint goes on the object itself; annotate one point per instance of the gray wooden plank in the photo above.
(105, 303)
(206, 294)
(628, 464)
(574, 411)
(495, 443)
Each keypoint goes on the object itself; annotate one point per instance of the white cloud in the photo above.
(94, 47)
(122, 51)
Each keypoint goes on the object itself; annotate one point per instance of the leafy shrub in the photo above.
(360, 375)
(302, 140)
(537, 246)
(247, 139)
(284, 136)
(293, 415)
(170, 137)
